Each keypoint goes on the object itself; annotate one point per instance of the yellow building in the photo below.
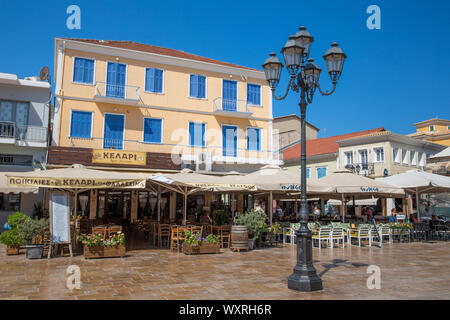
(121, 104)
(433, 130)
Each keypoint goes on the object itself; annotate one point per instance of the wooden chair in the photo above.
(100, 229)
(216, 230)
(153, 231)
(196, 229)
(177, 237)
(113, 230)
(164, 233)
(225, 236)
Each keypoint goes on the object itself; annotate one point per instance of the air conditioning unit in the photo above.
(204, 161)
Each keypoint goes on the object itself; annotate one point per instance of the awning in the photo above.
(5, 188)
(359, 202)
(360, 187)
(76, 177)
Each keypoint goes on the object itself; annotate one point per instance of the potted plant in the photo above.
(194, 243)
(96, 246)
(32, 231)
(12, 240)
(254, 221)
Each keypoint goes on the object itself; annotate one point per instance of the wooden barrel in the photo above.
(239, 237)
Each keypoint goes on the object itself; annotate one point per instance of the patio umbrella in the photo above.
(359, 187)
(416, 181)
(272, 178)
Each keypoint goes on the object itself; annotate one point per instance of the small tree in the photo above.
(32, 230)
(254, 221)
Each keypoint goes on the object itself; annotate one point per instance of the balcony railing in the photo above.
(363, 168)
(117, 93)
(23, 132)
(232, 108)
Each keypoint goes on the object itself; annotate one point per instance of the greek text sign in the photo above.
(119, 157)
(67, 183)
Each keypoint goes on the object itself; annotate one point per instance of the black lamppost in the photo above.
(304, 79)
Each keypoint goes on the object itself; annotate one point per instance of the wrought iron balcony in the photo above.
(232, 108)
(112, 93)
(363, 168)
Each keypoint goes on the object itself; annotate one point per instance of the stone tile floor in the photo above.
(408, 271)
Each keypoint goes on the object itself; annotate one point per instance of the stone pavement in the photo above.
(408, 271)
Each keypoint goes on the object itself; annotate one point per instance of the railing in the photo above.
(229, 105)
(23, 132)
(7, 129)
(106, 90)
(363, 168)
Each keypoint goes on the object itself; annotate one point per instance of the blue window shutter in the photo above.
(253, 94)
(152, 130)
(80, 125)
(201, 87)
(229, 95)
(308, 173)
(159, 80)
(147, 80)
(191, 133)
(76, 70)
(194, 86)
(83, 70)
(203, 134)
(253, 139)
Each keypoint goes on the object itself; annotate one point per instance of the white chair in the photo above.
(362, 233)
(289, 232)
(337, 233)
(324, 234)
(384, 231)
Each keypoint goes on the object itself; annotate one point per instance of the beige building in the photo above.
(385, 153)
(286, 131)
(433, 130)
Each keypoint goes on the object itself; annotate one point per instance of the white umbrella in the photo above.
(416, 181)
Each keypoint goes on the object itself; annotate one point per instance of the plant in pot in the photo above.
(32, 231)
(12, 240)
(254, 221)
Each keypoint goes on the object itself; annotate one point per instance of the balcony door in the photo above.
(229, 139)
(229, 95)
(364, 159)
(113, 131)
(115, 80)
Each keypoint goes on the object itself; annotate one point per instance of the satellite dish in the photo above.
(43, 75)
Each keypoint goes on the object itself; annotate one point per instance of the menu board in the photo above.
(59, 204)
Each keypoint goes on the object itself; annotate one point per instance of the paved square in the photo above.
(408, 271)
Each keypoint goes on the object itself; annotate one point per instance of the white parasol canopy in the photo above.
(419, 181)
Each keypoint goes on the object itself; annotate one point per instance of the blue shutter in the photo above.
(191, 133)
(80, 125)
(321, 172)
(115, 80)
(113, 132)
(197, 134)
(158, 80)
(254, 94)
(229, 141)
(253, 139)
(152, 130)
(201, 87)
(308, 173)
(154, 80)
(193, 91)
(229, 95)
(203, 134)
(83, 70)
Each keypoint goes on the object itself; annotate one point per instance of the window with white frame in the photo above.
(321, 172)
(395, 155)
(431, 128)
(404, 156)
(378, 154)
(348, 158)
(412, 158)
(308, 172)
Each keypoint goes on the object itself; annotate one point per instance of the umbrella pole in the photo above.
(342, 208)
(417, 205)
(159, 203)
(270, 207)
(185, 206)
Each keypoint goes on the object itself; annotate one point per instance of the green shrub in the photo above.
(254, 221)
(221, 217)
(30, 229)
(11, 238)
(17, 219)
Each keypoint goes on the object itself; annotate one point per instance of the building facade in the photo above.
(127, 105)
(385, 153)
(24, 132)
(433, 130)
(287, 131)
(321, 154)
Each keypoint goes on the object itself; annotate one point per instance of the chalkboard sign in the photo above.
(60, 223)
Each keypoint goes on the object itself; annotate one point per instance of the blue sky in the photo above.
(393, 77)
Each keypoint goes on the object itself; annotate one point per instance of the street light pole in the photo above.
(304, 79)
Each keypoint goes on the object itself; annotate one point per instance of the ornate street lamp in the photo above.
(304, 79)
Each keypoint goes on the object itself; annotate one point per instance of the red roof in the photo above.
(131, 45)
(323, 145)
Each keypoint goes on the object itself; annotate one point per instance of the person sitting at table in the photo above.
(393, 216)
